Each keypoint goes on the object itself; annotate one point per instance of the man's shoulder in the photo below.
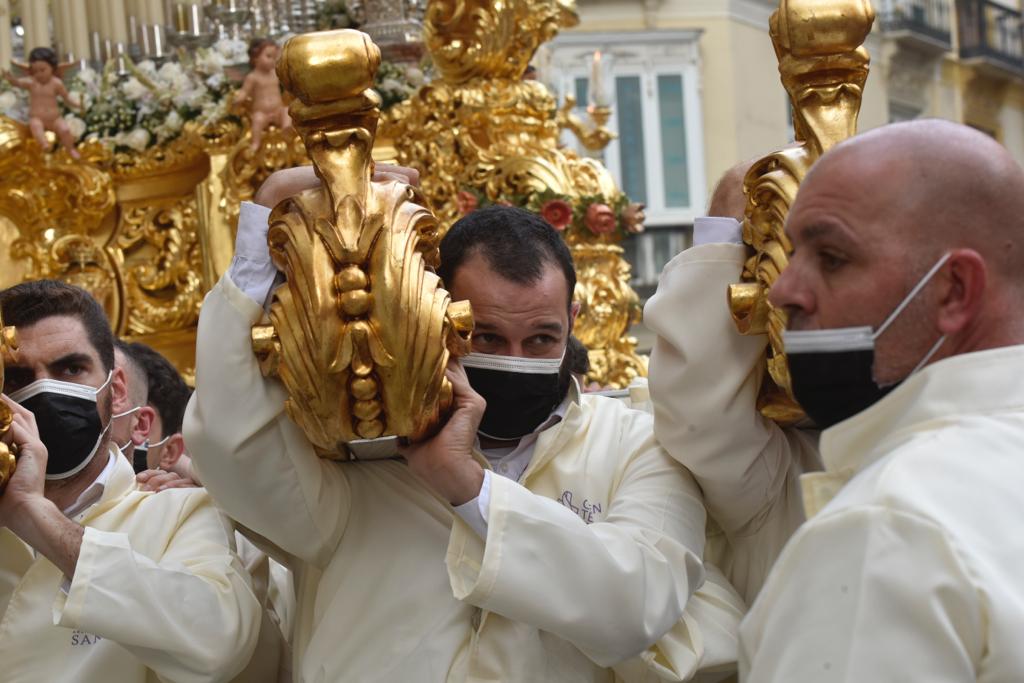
(954, 476)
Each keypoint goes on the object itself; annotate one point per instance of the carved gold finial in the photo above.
(8, 346)
(361, 331)
(823, 67)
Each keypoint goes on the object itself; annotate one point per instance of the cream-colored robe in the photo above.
(704, 379)
(157, 594)
(587, 566)
(910, 565)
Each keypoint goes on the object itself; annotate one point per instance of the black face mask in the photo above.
(832, 384)
(832, 370)
(69, 423)
(520, 392)
(139, 463)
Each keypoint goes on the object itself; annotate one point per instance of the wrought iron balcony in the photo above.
(924, 21)
(992, 33)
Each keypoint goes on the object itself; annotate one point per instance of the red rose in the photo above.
(465, 202)
(633, 218)
(557, 212)
(600, 219)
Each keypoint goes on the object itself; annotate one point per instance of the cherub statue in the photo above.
(44, 87)
(263, 91)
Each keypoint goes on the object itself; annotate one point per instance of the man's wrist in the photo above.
(470, 481)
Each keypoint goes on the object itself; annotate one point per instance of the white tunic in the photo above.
(584, 574)
(157, 592)
(911, 564)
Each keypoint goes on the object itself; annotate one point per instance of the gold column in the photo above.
(824, 66)
(6, 49)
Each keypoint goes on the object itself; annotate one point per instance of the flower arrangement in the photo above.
(591, 215)
(150, 105)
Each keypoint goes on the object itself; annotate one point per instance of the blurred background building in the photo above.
(694, 88)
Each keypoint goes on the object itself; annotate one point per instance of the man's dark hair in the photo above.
(168, 393)
(576, 353)
(516, 243)
(43, 54)
(27, 303)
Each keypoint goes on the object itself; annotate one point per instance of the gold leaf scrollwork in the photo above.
(823, 67)
(481, 126)
(361, 331)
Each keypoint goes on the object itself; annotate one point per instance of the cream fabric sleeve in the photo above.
(254, 460)
(704, 378)
(866, 594)
(189, 615)
(611, 588)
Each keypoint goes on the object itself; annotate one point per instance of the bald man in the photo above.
(906, 342)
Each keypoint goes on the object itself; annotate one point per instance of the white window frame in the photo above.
(648, 55)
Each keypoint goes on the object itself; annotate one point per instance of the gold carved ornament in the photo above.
(361, 332)
(480, 125)
(8, 347)
(823, 67)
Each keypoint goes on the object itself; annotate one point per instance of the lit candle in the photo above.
(158, 41)
(598, 97)
(180, 18)
(195, 20)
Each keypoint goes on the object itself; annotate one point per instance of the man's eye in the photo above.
(830, 262)
(73, 370)
(542, 340)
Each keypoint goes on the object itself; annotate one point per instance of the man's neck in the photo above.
(64, 492)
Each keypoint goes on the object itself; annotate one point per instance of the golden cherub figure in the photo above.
(44, 87)
(262, 90)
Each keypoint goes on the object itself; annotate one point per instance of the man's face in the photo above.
(59, 348)
(851, 265)
(41, 71)
(513, 319)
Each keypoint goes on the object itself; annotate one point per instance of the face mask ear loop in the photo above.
(127, 412)
(928, 356)
(159, 443)
(910, 297)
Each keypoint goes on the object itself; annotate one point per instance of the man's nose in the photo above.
(790, 293)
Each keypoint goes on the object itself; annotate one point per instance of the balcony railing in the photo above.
(929, 19)
(991, 32)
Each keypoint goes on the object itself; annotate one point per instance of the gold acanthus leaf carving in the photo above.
(362, 331)
(8, 348)
(823, 68)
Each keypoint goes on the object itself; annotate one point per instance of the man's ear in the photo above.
(574, 310)
(172, 451)
(119, 391)
(963, 298)
(144, 417)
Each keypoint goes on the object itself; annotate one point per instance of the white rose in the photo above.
(174, 122)
(414, 75)
(138, 139)
(7, 100)
(75, 125)
(133, 89)
(215, 81)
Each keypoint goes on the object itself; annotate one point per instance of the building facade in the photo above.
(694, 88)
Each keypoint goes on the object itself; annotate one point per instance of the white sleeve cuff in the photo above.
(251, 269)
(474, 512)
(715, 230)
